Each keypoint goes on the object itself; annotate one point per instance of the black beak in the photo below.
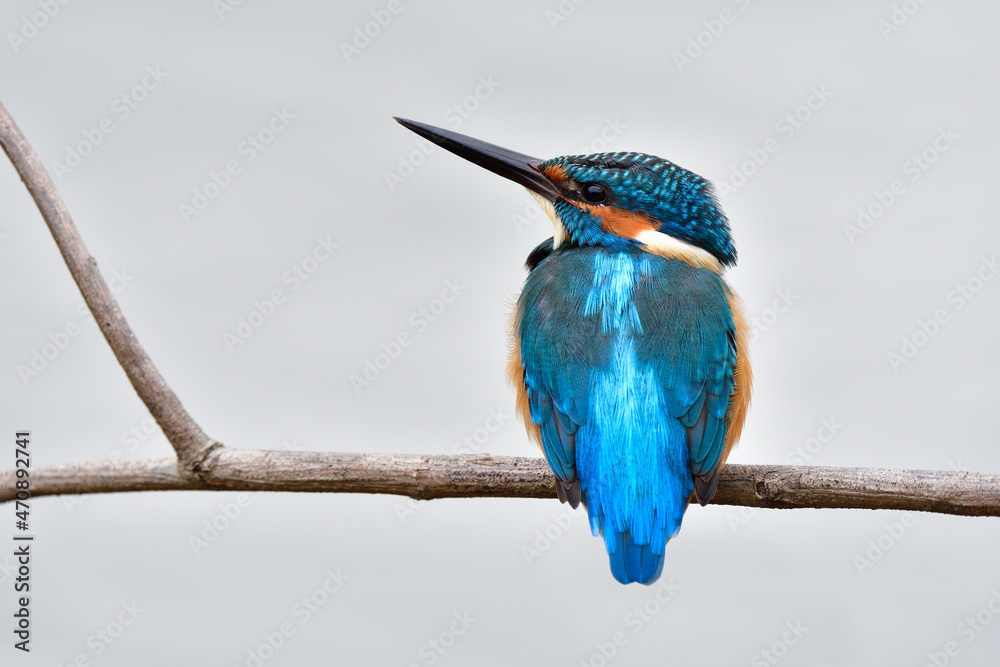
(517, 167)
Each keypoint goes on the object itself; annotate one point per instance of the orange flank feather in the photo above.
(739, 399)
(515, 375)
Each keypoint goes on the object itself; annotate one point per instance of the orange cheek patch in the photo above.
(556, 173)
(626, 224)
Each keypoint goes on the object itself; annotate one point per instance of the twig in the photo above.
(426, 477)
(186, 437)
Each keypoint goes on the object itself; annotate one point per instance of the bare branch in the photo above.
(426, 477)
(787, 487)
(101, 477)
(203, 464)
(183, 433)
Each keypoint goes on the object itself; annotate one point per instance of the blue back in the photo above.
(628, 364)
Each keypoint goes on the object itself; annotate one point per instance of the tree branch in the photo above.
(186, 437)
(203, 464)
(480, 476)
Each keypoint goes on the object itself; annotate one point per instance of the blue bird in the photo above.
(629, 350)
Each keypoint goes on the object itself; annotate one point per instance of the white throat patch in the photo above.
(674, 248)
(558, 229)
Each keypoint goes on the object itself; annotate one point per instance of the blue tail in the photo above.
(631, 562)
(632, 462)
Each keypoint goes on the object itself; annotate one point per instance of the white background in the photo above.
(557, 85)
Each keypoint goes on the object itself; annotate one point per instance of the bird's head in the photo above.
(611, 199)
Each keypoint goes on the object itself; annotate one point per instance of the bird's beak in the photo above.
(516, 166)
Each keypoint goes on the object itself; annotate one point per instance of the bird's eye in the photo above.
(594, 193)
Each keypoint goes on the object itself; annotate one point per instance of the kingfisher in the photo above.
(628, 348)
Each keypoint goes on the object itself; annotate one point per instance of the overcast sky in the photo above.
(234, 169)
